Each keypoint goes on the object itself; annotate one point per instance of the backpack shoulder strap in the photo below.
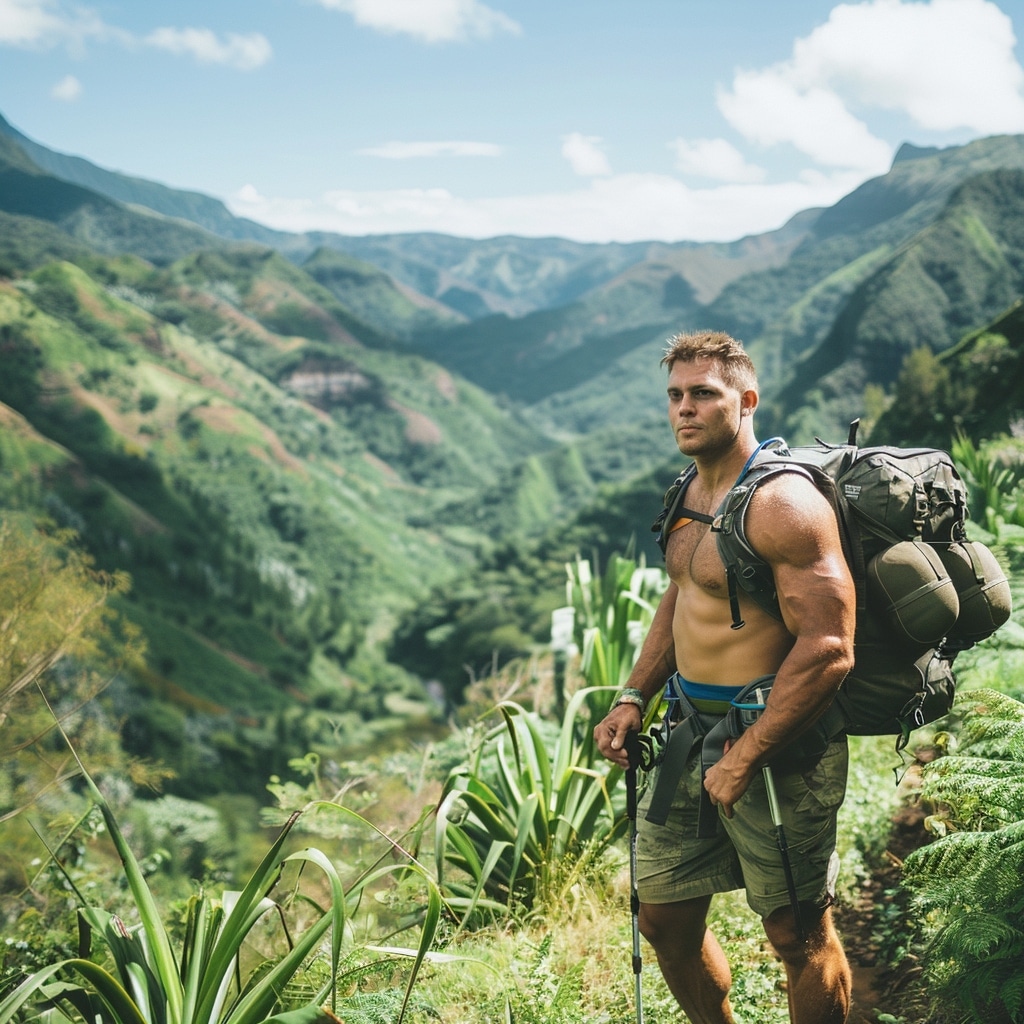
(674, 509)
(744, 568)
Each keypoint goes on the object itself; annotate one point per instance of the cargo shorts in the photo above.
(673, 864)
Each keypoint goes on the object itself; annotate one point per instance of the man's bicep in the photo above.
(797, 534)
(816, 598)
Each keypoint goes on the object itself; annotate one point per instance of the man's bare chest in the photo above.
(692, 558)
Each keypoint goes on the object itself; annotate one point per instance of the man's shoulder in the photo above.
(784, 483)
(787, 500)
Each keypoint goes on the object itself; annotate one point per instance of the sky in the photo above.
(595, 120)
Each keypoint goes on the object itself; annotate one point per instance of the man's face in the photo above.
(705, 412)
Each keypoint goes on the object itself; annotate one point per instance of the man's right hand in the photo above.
(610, 732)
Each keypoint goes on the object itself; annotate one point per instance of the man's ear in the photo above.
(748, 403)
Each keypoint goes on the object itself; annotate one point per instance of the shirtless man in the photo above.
(712, 396)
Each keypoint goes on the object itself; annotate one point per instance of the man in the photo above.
(712, 397)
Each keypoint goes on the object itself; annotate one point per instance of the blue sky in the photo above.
(596, 120)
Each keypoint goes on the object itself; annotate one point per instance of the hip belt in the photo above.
(696, 718)
(711, 716)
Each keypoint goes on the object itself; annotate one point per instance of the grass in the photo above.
(572, 963)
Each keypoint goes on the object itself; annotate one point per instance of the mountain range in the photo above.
(338, 468)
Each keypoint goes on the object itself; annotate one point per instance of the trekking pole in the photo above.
(634, 751)
(780, 835)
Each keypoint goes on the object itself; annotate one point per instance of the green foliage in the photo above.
(971, 388)
(519, 824)
(994, 474)
(612, 615)
(203, 980)
(547, 997)
(151, 982)
(530, 813)
(58, 635)
(966, 886)
(501, 608)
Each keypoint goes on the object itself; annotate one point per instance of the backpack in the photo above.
(924, 591)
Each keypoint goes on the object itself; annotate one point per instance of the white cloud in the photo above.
(42, 23)
(45, 23)
(416, 150)
(946, 64)
(243, 52)
(714, 158)
(585, 155)
(67, 89)
(433, 21)
(625, 207)
(27, 22)
(769, 108)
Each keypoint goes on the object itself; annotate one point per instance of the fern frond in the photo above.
(969, 870)
(1012, 995)
(994, 738)
(989, 704)
(977, 788)
(977, 936)
(984, 990)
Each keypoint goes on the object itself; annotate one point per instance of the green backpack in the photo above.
(924, 591)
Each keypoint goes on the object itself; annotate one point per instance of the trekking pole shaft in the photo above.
(780, 835)
(634, 896)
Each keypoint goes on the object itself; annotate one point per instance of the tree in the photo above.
(60, 645)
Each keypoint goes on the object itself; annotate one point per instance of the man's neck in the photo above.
(718, 473)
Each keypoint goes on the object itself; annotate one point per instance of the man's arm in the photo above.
(655, 663)
(794, 529)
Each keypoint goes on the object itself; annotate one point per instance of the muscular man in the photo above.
(712, 397)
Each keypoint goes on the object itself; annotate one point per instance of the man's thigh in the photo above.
(672, 863)
(809, 803)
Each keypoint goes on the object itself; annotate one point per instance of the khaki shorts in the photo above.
(673, 864)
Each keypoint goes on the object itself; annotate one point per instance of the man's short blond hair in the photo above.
(726, 351)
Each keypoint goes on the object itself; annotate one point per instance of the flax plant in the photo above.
(134, 975)
(520, 825)
(537, 806)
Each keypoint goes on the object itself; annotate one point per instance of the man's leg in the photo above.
(690, 958)
(816, 968)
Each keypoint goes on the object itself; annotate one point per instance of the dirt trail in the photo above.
(878, 988)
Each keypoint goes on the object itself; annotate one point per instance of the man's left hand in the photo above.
(728, 780)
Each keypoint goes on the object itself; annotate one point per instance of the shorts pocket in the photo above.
(824, 786)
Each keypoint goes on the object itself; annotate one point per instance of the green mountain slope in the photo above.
(275, 528)
(516, 276)
(195, 207)
(785, 314)
(98, 222)
(977, 387)
(558, 350)
(960, 271)
(375, 297)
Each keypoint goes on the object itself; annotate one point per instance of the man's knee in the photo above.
(679, 926)
(793, 941)
(813, 938)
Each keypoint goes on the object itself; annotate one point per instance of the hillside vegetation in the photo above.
(284, 520)
(341, 469)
